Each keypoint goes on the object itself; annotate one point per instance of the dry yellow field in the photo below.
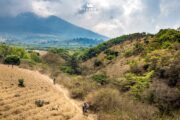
(18, 103)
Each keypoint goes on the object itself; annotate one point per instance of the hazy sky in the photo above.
(108, 17)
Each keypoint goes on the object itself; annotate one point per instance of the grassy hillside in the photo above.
(132, 77)
(21, 103)
(145, 68)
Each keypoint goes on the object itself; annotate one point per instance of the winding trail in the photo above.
(18, 103)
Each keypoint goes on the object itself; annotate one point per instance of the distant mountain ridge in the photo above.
(29, 28)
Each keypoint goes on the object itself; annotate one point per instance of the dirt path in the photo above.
(18, 103)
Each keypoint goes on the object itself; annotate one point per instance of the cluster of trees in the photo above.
(71, 66)
(13, 55)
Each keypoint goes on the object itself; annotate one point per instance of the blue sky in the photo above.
(108, 17)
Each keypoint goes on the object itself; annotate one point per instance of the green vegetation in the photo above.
(168, 35)
(92, 52)
(64, 53)
(35, 57)
(100, 78)
(14, 55)
(12, 60)
(143, 83)
(71, 66)
(111, 54)
(21, 83)
(39, 103)
(137, 84)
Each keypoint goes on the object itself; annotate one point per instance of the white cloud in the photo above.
(111, 17)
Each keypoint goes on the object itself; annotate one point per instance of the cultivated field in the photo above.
(18, 103)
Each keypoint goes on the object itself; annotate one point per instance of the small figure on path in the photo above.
(85, 107)
(54, 81)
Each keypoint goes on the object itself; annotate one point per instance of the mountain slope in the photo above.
(29, 28)
(19, 103)
(145, 68)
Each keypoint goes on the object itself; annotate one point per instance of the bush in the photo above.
(78, 93)
(110, 57)
(111, 54)
(12, 60)
(39, 103)
(138, 48)
(79, 86)
(165, 39)
(71, 66)
(21, 83)
(61, 52)
(35, 57)
(70, 70)
(97, 63)
(137, 84)
(100, 78)
(166, 99)
(166, 65)
(104, 100)
(168, 35)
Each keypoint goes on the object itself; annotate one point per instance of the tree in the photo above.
(74, 65)
(71, 66)
(12, 60)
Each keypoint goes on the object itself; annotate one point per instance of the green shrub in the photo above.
(164, 39)
(70, 70)
(110, 57)
(168, 35)
(97, 63)
(167, 44)
(21, 83)
(39, 103)
(62, 52)
(100, 78)
(12, 60)
(110, 54)
(138, 48)
(71, 66)
(166, 65)
(128, 53)
(35, 57)
(137, 84)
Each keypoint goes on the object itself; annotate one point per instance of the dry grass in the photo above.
(78, 86)
(111, 105)
(19, 103)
